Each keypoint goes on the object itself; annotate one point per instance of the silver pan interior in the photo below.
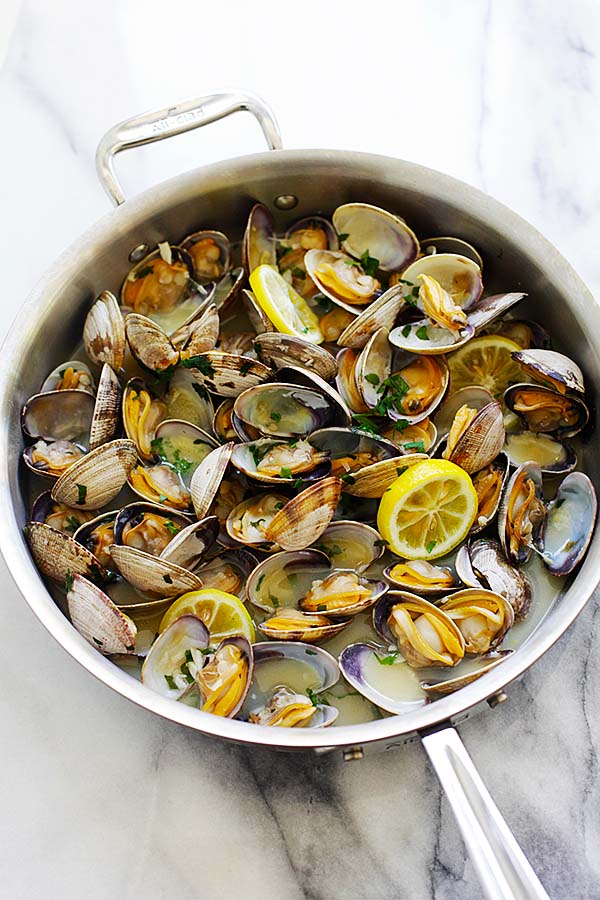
(516, 257)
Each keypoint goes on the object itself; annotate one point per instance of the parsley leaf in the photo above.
(312, 696)
(171, 682)
(167, 579)
(285, 472)
(245, 367)
(297, 272)
(81, 494)
(202, 363)
(141, 273)
(421, 333)
(157, 447)
(343, 237)
(372, 378)
(369, 263)
(419, 446)
(68, 581)
(430, 546)
(388, 660)
(172, 528)
(364, 422)
(406, 331)
(71, 524)
(276, 417)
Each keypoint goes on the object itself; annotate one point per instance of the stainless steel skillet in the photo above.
(296, 183)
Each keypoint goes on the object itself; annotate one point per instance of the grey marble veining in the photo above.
(100, 799)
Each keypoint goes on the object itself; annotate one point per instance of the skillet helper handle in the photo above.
(501, 865)
(164, 123)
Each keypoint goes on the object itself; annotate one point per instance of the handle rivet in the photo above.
(353, 753)
(286, 201)
(497, 698)
(138, 253)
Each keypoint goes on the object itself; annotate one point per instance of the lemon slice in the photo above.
(428, 510)
(287, 310)
(485, 361)
(223, 614)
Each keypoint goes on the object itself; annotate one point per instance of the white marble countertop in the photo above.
(99, 798)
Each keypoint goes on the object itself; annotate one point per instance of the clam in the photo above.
(147, 526)
(521, 513)
(429, 339)
(420, 576)
(228, 571)
(419, 437)
(351, 545)
(175, 656)
(229, 494)
(152, 576)
(373, 481)
(381, 313)
(314, 233)
(208, 477)
(52, 459)
(552, 369)
(225, 678)
(97, 535)
(290, 624)
(352, 451)
(475, 438)
(415, 390)
(258, 247)
(285, 410)
(488, 309)
(554, 457)
(483, 618)
(281, 580)
(373, 367)
(456, 246)
(222, 423)
(569, 524)
(248, 521)
(303, 378)
(58, 515)
(545, 410)
(346, 384)
(373, 232)
(303, 520)
(142, 413)
(335, 319)
(70, 375)
(482, 564)
(472, 396)
(341, 278)
(276, 462)
(94, 480)
(105, 419)
(210, 252)
(226, 374)
(189, 401)
(182, 445)
(282, 349)
(457, 275)
(309, 669)
(149, 344)
(424, 634)
(489, 483)
(58, 556)
(382, 677)
(228, 287)
(200, 335)
(481, 664)
(104, 332)
(98, 619)
(342, 593)
(190, 545)
(64, 415)
(160, 483)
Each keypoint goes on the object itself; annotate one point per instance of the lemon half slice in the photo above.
(287, 310)
(428, 510)
(487, 362)
(223, 614)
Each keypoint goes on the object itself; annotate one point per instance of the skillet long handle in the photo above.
(163, 123)
(501, 865)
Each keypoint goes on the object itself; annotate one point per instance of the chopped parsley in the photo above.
(276, 417)
(348, 478)
(421, 333)
(310, 652)
(364, 422)
(297, 484)
(162, 498)
(372, 378)
(352, 262)
(559, 503)
(297, 272)
(68, 581)
(71, 523)
(200, 362)
(141, 273)
(388, 660)
(281, 252)
(171, 682)
(343, 237)
(330, 551)
(392, 390)
(180, 463)
(188, 656)
(322, 607)
(285, 472)
(97, 641)
(406, 331)
(157, 447)
(95, 573)
(312, 696)
(245, 367)
(172, 528)
(400, 425)
(279, 505)
(256, 453)
(326, 304)
(369, 263)
(430, 546)
(201, 391)
(257, 522)
(81, 494)
(419, 446)
(274, 601)
(404, 281)
(167, 579)
(259, 582)
(381, 543)
(400, 470)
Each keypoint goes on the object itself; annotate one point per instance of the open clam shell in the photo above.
(489, 484)
(58, 415)
(51, 459)
(294, 625)
(554, 457)
(142, 412)
(479, 666)
(151, 576)
(569, 524)
(374, 480)
(521, 513)
(552, 369)
(381, 313)
(226, 374)
(222, 422)
(488, 309)
(419, 576)
(425, 634)
(303, 520)
(228, 571)
(64, 518)
(343, 592)
(351, 545)
(228, 287)
(426, 380)
(472, 396)
(282, 349)
(276, 462)
(210, 252)
(545, 410)
(303, 378)
(57, 555)
(458, 275)
(428, 339)
(341, 278)
(208, 477)
(378, 233)
(446, 244)
(166, 668)
(104, 332)
(188, 401)
(482, 564)
(420, 436)
(363, 665)
(249, 520)
(200, 335)
(72, 374)
(373, 367)
(149, 344)
(479, 442)
(147, 526)
(482, 616)
(190, 546)
(160, 483)
(259, 243)
(225, 678)
(285, 410)
(105, 418)
(345, 381)
(96, 479)
(97, 535)
(98, 619)
(182, 445)
(282, 579)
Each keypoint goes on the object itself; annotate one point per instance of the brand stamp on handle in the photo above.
(179, 120)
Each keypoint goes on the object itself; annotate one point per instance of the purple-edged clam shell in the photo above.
(353, 660)
(569, 524)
